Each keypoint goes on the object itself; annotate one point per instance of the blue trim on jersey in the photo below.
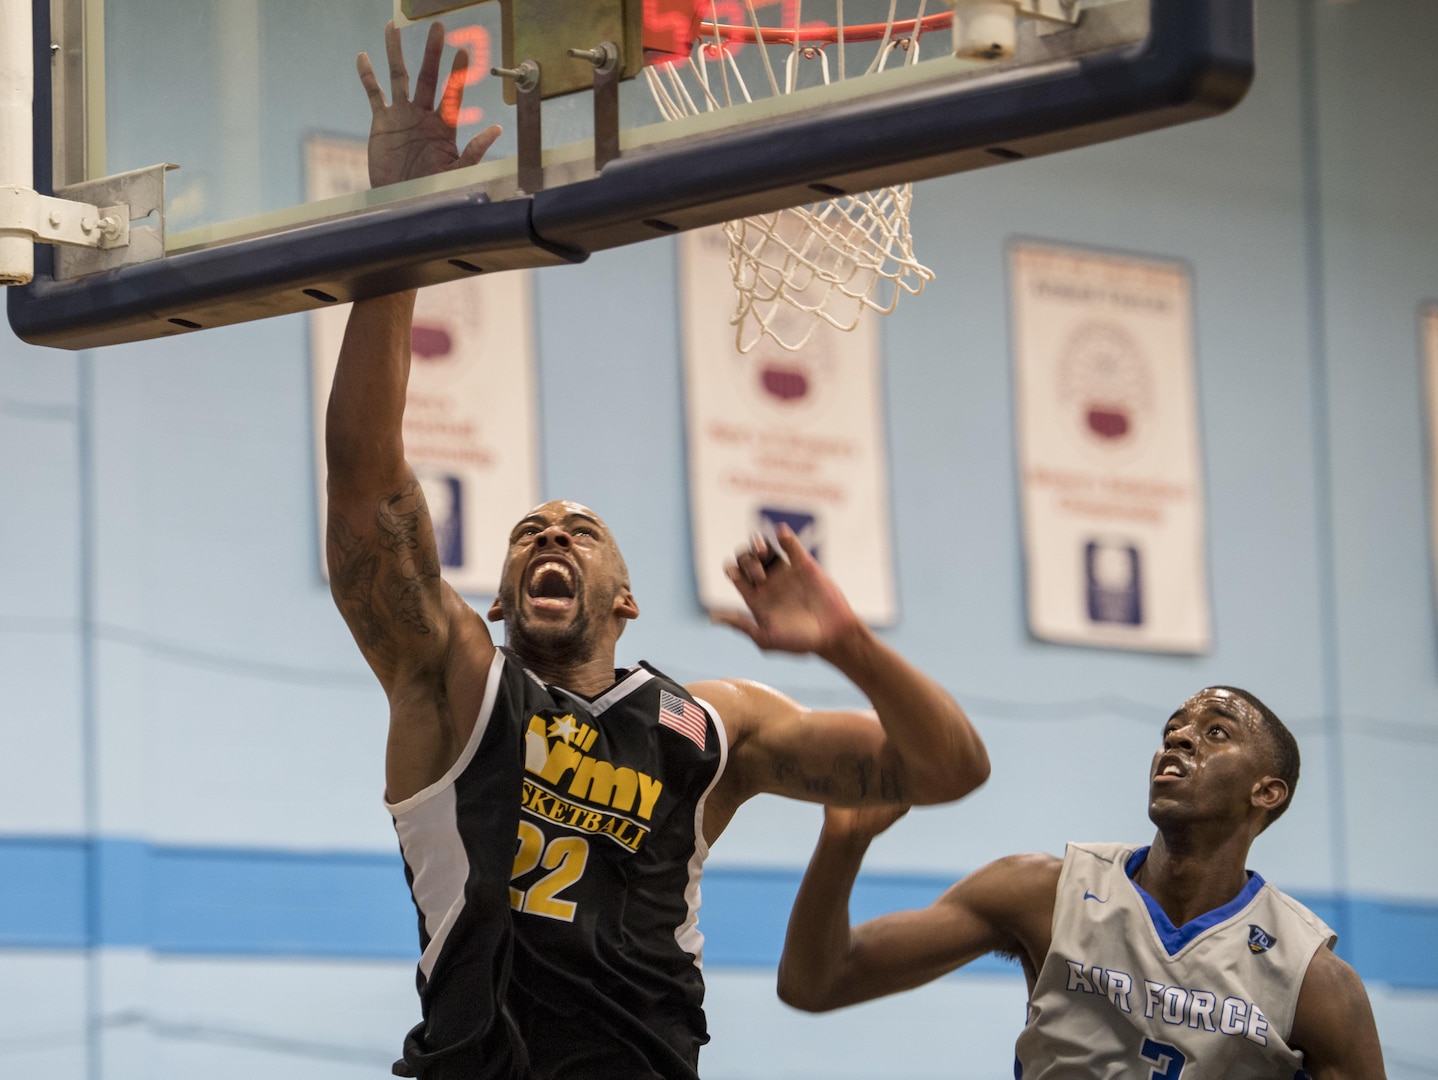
(1173, 937)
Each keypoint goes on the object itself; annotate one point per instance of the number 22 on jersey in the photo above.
(564, 857)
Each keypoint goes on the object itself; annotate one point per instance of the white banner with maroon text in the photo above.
(1109, 450)
(778, 437)
(469, 424)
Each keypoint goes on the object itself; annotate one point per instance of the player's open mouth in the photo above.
(551, 585)
(1170, 767)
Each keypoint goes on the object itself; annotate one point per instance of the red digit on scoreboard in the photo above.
(475, 41)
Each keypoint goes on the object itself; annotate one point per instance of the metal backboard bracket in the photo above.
(545, 32)
(1059, 11)
(135, 196)
(415, 10)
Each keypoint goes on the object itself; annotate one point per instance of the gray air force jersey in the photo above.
(1125, 993)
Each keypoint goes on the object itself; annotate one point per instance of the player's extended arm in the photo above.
(380, 546)
(922, 749)
(1005, 906)
(384, 566)
(1333, 1023)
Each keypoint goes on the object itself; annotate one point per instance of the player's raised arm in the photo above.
(1333, 1023)
(1006, 906)
(380, 545)
(383, 561)
(916, 747)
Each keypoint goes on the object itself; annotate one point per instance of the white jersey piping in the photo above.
(687, 934)
(622, 689)
(429, 837)
(481, 722)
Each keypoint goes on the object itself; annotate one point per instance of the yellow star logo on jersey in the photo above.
(562, 727)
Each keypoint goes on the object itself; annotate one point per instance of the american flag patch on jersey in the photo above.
(683, 716)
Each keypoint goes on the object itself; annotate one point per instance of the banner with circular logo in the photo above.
(1108, 449)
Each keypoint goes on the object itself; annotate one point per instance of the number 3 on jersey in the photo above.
(1167, 1060)
(565, 858)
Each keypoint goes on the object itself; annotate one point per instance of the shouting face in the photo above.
(565, 587)
(1215, 764)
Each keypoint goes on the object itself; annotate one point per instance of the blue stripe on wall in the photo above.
(745, 912)
(240, 902)
(217, 901)
(42, 893)
(281, 904)
(1399, 942)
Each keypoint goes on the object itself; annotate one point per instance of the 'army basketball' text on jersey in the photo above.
(600, 897)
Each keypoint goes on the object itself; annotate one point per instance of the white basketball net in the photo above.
(827, 261)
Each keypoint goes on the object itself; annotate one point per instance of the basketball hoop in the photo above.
(831, 260)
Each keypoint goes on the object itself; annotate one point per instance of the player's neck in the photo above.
(588, 677)
(1189, 873)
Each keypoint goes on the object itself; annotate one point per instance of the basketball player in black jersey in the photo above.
(554, 813)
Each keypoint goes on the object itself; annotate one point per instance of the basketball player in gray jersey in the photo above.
(1163, 962)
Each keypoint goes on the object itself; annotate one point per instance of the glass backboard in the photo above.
(233, 92)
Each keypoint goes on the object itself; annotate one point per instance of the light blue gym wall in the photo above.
(177, 686)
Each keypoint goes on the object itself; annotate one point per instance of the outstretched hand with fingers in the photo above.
(409, 137)
(794, 606)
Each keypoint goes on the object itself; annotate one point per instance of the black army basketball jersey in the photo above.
(605, 800)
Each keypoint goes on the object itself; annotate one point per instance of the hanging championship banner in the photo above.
(1429, 319)
(777, 437)
(469, 421)
(1108, 448)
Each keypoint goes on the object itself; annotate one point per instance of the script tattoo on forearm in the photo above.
(353, 569)
(849, 776)
(416, 568)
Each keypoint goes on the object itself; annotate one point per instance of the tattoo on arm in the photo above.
(849, 776)
(385, 586)
(416, 563)
(353, 569)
